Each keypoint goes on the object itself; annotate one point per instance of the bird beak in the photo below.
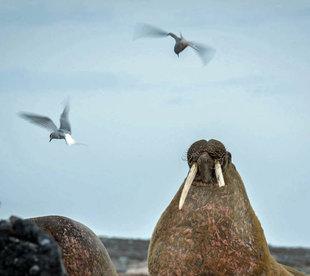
(51, 139)
(219, 174)
(188, 182)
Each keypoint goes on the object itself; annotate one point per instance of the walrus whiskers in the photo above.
(219, 174)
(188, 182)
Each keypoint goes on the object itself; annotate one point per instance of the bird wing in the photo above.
(206, 53)
(39, 120)
(146, 30)
(64, 120)
(175, 36)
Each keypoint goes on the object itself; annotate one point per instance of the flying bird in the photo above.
(206, 53)
(63, 132)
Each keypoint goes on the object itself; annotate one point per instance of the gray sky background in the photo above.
(138, 108)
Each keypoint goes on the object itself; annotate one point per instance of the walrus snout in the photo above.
(205, 172)
(205, 159)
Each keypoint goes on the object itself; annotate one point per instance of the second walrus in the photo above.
(83, 253)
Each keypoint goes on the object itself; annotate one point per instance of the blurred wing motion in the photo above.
(205, 53)
(145, 30)
(64, 120)
(39, 120)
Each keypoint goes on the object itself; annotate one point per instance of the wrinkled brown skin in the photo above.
(82, 251)
(215, 233)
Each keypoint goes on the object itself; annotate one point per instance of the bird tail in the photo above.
(69, 140)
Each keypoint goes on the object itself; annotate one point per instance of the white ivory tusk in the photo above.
(188, 182)
(219, 174)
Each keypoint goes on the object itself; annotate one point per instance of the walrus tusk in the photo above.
(219, 174)
(188, 182)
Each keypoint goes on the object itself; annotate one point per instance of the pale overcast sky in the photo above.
(138, 107)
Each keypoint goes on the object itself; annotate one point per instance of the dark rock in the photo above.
(27, 250)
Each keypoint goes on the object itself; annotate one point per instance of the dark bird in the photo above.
(63, 132)
(206, 53)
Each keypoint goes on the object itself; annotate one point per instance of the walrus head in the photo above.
(206, 160)
(217, 231)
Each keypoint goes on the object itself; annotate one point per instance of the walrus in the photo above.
(210, 228)
(82, 251)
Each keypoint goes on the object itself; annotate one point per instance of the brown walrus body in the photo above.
(82, 251)
(215, 233)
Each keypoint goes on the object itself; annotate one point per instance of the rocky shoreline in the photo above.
(130, 255)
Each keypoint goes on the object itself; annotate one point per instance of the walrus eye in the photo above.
(188, 182)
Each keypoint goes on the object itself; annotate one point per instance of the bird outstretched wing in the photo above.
(64, 119)
(206, 53)
(146, 30)
(39, 120)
